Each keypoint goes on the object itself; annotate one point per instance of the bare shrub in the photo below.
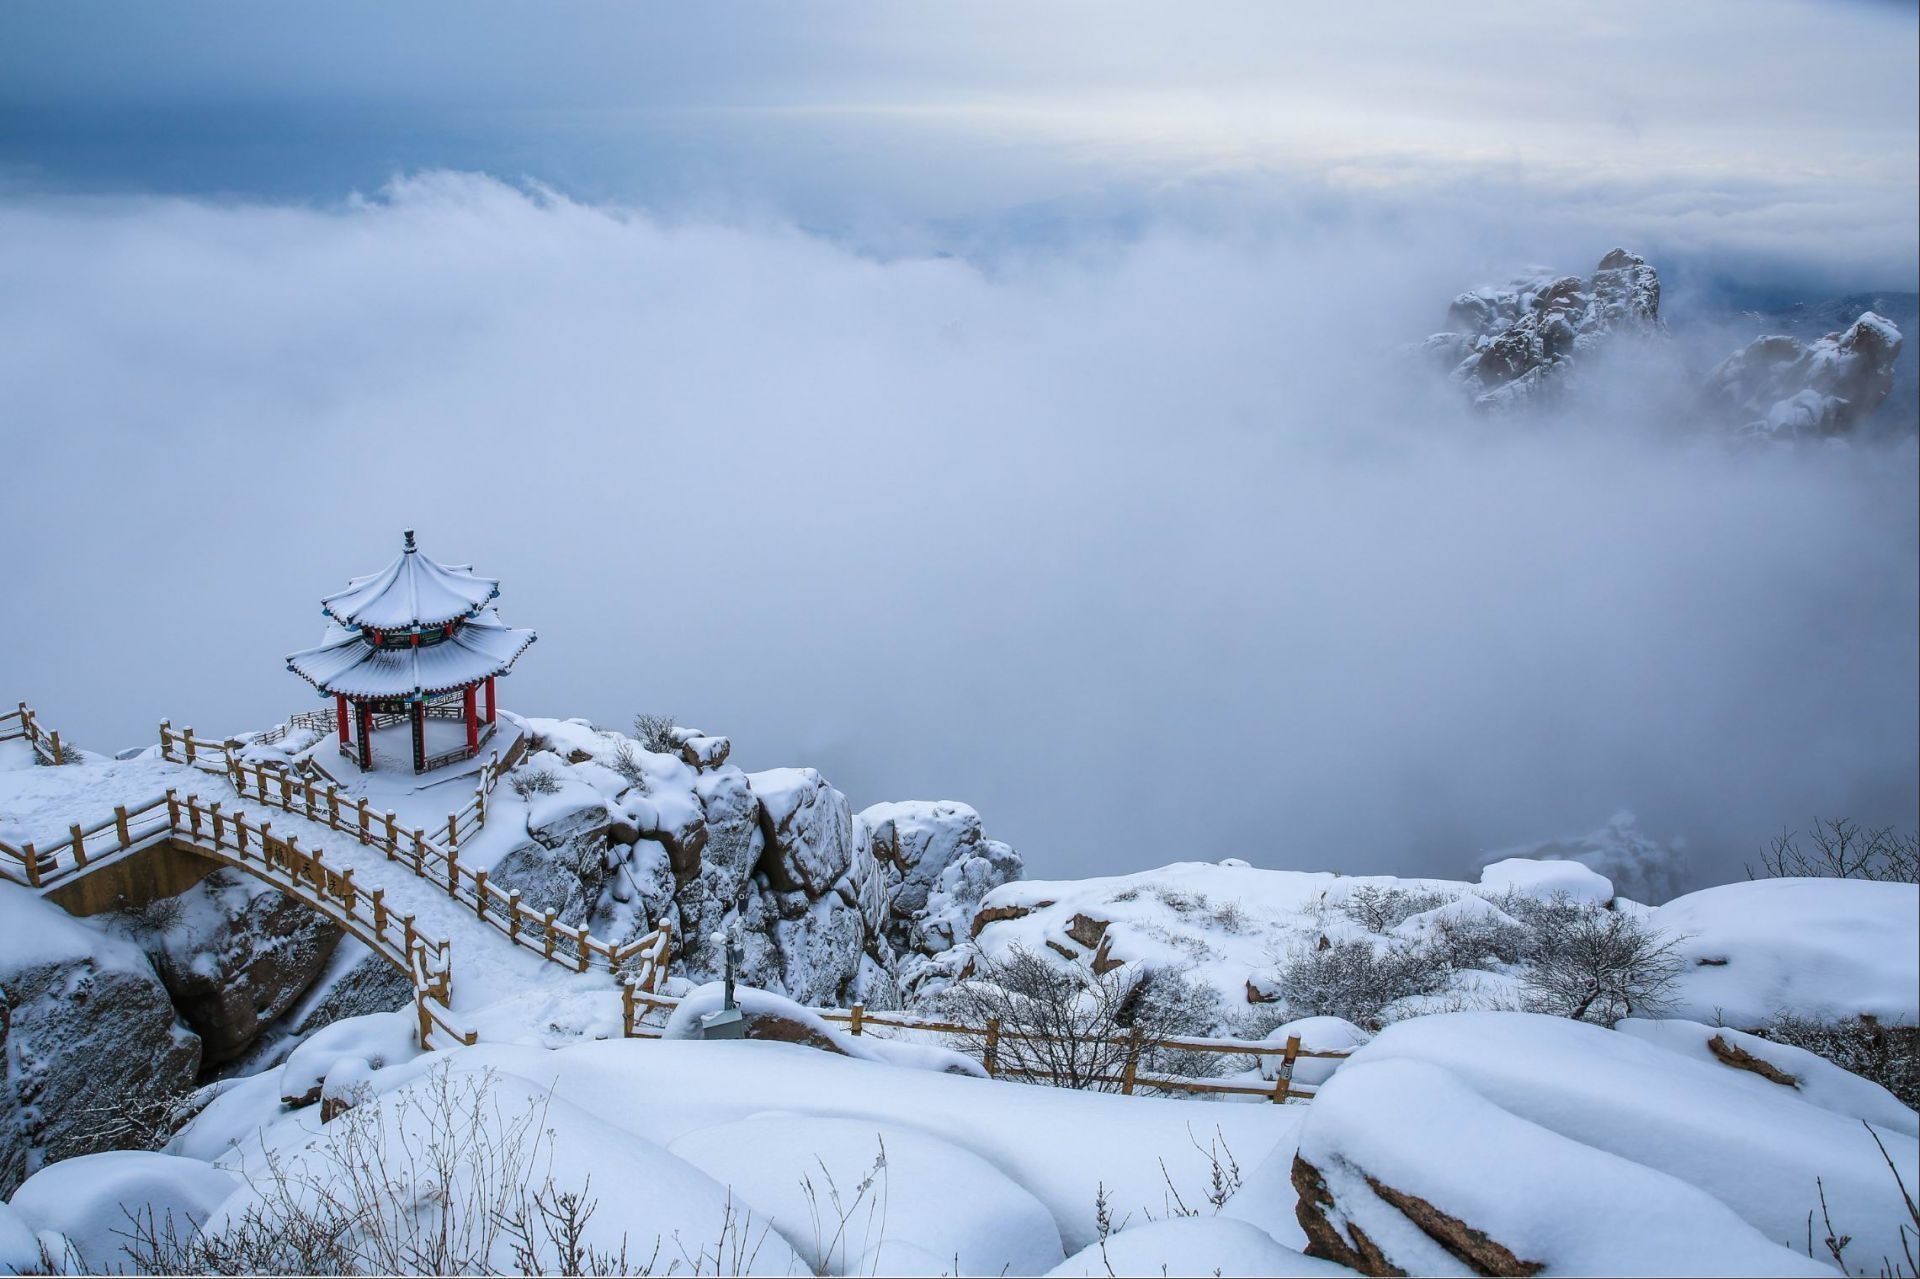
(655, 733)
(1379, 907)
(1843, 849)
(1067, 1026)
(1356, 979)
(627, 763)
(1475, 941)
(528, 782)
(439, 1180)
(1888, 1055)
(1593, 964)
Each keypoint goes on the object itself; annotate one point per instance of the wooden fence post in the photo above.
(549, 931)
(453, 832)
(364, 818)
(626, 1008)
(480, 893)
(854, 1024)
(419, 851)
(187, 733)
(173, 808)
(379, 897)
(991, 1057)
(453, 871)
(219, 823)
(333, 806)
(56, 747)
(79, 845)
(1132, 1069)
(513, 914)
(1283, 1077)
(347, 893)
(580, 940)
(32, 860)
(393, 836)
(120, 824)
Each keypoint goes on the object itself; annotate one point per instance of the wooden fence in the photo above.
(437, 861)
(1132, 1048)
(232, 839)
(23, 723)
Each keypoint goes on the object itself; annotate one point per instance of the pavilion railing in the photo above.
(437, 861)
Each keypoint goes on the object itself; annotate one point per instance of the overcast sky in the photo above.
(993, 402)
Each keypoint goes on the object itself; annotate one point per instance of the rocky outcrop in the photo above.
(88, 1036)
(235, 954)
(1347, 1242)
(1781, 387)
(834, 907)
(1518, 343)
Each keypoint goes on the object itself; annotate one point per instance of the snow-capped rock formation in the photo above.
(1517, 343)
(234, 954)
(1780, 387)
(1429, 1150)
(87, 1032)
(834, 907)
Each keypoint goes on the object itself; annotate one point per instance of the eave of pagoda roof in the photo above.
(412, 591)
(353, 667)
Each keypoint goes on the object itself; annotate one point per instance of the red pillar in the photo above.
(340, 715)
(469, 695)
(365, 714)
(491, 704)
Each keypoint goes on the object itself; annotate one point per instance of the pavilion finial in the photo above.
(411, 548)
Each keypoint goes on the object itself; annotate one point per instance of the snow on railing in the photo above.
(129, 827)
(438, 862)
(23, 723)
(231, 839)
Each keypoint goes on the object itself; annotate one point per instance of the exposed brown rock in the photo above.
(994, 914)
(1260, 992)
(1103, 960)
(1064, 951)
(1486, 1256)
(1740, 1059)
(786, 1030)
(1317, 1210)
(1087, 930)
(1354, 1250)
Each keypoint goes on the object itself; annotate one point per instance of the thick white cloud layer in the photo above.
(1145, 549)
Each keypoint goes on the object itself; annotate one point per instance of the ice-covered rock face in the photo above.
(85, 1026)
(1782, 388)
(235, 954)
(808, 827)
(1516, 343)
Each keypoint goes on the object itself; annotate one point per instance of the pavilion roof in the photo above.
(353, 667)
(411, 591)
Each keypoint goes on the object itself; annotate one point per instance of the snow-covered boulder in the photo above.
(576, 810)
(85, 1026)
(1767, 1065)
(1780, 387)
(96, 1202)
(776, 1019)
(1828, 949)
(1426, 1151)
(1317, 1035)
(235, 954)
(808, 828)
(914, 1204)
(378, 1040)
(1547, 879)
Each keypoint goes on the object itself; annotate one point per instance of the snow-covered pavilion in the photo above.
(417, 641)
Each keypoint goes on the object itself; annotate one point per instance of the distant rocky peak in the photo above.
(1516, 343)
(1780, 387)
